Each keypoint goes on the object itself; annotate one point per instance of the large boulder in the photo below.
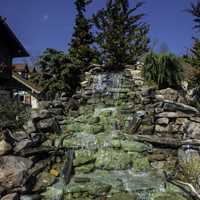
(14, 172)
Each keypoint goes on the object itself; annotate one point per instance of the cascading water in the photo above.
(107, 160)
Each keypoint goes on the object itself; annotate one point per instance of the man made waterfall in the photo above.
(108, 162)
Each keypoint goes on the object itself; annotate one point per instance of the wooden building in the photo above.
(10, 47)
(22, 70)
(14, 78)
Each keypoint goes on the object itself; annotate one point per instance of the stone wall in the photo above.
(124, 135)
(27, 156)
(112, 140)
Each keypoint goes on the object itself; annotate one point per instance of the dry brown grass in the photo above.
(190, 172)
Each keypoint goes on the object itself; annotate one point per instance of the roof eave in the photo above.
(22, 52)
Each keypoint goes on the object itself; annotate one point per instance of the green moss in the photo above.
(134, 146)
(83, 157)
(123, 196)
(94, 120)
(92, 188)
(94, 129)
(75, 127)
(140, 162)
(85, 168)
(112, 159)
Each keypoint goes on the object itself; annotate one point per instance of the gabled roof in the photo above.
(20, 68)
(27, 84)
(17, 49)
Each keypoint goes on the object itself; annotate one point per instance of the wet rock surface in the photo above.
(112, 140)
(124, 135)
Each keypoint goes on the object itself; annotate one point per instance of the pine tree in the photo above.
(80, 47)
(195, 51)
(121, 36)
(195, 11)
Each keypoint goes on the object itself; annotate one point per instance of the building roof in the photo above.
(20, 68)
(11, 40)
(27, 84)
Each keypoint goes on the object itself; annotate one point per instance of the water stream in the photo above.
(105, 155)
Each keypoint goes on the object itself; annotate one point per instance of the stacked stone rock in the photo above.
(26, 155)
(121, 134)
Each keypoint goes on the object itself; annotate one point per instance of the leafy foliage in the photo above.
(121, 36)
(82, 39)
(12, 114)
(57, 73)
(165, 70)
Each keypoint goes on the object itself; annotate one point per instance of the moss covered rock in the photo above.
(123, 196)
(83, 157)
(112, 159)
(140, 162)
(92, 188)
(134, 146)
(85, 168)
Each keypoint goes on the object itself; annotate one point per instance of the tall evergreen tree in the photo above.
(121, 34)
(195, 51)
(82, 39)
(195, 11)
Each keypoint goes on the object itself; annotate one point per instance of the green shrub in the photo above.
(151, 68)
(12, 114)
(57, 74)
(165, 70)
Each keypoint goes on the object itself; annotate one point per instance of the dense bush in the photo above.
(12, 114)
(57, 74)
(165, 70)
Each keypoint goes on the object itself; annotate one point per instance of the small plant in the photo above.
(12, 114)
(190, 172)
(165, 70)
(151, 68)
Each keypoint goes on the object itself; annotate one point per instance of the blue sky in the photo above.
(49, 23)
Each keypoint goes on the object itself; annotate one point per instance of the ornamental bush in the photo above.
(165, 70)
(13, 114)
